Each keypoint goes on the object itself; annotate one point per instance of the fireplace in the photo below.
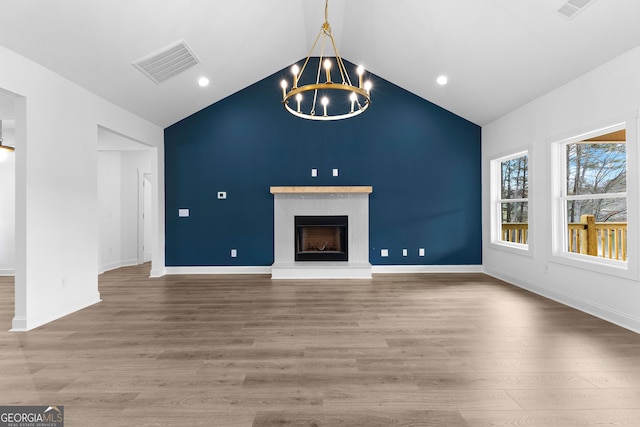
(321, 238)
(318, 201)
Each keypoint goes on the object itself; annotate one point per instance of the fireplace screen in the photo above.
(321, 238)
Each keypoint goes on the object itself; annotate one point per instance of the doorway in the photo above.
(8, 184)
(125, 199)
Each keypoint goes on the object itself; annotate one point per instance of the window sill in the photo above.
(597, 265)
(514, 248)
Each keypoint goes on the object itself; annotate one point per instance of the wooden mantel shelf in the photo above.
(322, 189)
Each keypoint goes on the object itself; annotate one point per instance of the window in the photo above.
(594, 196)
(510, 211)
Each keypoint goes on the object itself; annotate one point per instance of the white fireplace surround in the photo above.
(290, 202)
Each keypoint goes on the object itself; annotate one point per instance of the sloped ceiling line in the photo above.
(497, 53)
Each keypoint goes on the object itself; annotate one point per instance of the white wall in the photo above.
(56, 189)
(608, 91)
(109, 211)
(120, 175)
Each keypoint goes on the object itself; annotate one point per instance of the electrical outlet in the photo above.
(335, 172)
(222, 195)
(234, 253)
(405, 252)
(63, 283)
(314, 172)
(421, 252)
(183, 213)
(384, 252)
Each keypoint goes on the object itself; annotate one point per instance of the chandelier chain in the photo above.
(326, 11)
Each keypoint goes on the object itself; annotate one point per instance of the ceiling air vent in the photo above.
(167, 62)
(571, 8)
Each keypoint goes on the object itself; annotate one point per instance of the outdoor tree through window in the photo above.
(514, 199)
(595, 196)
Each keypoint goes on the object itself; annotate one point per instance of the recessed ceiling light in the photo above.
(203, 82)
(442, 80)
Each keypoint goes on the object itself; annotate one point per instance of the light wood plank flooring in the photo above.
(404, 350)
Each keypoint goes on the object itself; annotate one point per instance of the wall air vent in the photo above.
(167, 62)
(571, 8)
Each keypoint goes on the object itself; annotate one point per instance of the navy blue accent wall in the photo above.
(422, 161)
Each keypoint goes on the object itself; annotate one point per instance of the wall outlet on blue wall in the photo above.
(335, 172)
(404, 252)
(314, 172)
(421, 251)
(222, 195)
(234, 253)
(384, 252)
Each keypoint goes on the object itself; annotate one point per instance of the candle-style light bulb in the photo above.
(360, 71)
(327, 67)
(299, 99)
(324, 101)
(353, 99)
(283, 84)
(368, 86)
(295, 70)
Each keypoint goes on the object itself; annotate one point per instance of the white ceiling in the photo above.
(498, 54)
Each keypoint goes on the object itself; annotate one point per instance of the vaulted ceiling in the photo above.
(498, 54)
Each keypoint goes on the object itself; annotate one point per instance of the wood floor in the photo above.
(402, 350)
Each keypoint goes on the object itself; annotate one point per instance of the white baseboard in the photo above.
(29, 322)
(605, 313)
(158, 272)
(218, 270)
(120, 264)
(7, 272)
(375, 269)
(400, 269)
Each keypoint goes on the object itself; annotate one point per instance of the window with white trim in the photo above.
(593, 196)
(510, 210)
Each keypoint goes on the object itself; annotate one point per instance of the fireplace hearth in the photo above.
(321, 238)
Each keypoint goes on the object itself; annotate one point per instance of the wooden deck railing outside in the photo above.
(601, 239)
(515, 232)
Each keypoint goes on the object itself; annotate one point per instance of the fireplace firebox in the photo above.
(321, 238)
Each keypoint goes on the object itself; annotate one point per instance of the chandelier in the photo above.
(338, 100)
